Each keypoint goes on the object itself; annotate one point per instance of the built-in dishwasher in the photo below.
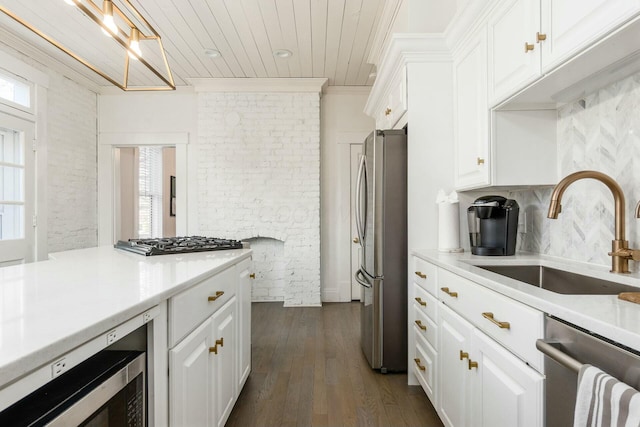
(566, 347)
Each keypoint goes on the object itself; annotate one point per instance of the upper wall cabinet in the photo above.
(530, 38)
(471, 115)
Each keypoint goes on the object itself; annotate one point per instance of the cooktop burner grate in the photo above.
(176, 245)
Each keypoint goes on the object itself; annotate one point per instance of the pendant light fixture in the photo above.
(122, 23)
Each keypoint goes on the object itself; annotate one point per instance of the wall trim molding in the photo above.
(314, 85)
(123, 139)
(347, 90)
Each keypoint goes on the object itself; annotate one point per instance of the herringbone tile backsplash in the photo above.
(600, 132)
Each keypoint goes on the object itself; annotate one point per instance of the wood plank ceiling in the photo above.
(327, 38)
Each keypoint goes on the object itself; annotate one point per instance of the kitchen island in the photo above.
(79, 302)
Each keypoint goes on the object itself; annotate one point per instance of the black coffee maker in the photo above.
(493, 225)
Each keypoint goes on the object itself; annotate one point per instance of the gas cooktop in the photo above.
(177, 245)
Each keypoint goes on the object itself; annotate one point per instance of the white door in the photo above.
(356, 249)
(508, 392)
(17, 191)
(224, 362)
(190, 383)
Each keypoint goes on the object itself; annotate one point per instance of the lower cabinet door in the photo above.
(190, 388)
(455, 376)
(509, 393)
(224, 361)
(244, 323)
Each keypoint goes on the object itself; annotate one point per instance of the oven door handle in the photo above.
(558, 355)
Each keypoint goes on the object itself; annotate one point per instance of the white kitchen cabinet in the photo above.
(392, 106)
(514, 58)
(224, 358)
(570, 27)
(244, 321)
(471, 113)
(190, 383)
(507, 393)
(455, 376)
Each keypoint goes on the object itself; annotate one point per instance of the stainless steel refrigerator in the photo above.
(381, 222)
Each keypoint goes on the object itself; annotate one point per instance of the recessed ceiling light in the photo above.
(282, 53)
(212, 53)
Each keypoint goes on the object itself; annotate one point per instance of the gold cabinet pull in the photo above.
(473, 364)
(356, 240)
(422, 303)
(252, 276)
(421, 275)
(214, 349)
(480, 161)
(420, 325)
(387, 111)
(216, 296)
(448, 292)
(501, 325)
(527, 47)
(540, 37)
(464, 355)
(420, 366)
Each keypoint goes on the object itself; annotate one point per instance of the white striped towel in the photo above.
(603, 401)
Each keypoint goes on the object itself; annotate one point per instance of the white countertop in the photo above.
(48, 308)
(604, 315)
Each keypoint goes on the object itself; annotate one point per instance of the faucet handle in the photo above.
(633, 254)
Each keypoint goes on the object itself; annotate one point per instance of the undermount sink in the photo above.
(559, 281)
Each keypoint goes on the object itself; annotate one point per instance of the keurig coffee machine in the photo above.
(493, 225)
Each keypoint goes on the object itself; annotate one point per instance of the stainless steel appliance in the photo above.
(106, 390)
(381, 220)
(493, 225)
(177, 245)
(566, 348)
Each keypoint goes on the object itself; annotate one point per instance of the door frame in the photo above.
(108, 163)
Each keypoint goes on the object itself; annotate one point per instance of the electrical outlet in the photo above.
(111, 337)
(146, 317)
(58, 367)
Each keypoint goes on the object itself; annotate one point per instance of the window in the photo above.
(12, 191)
(15, 91)
(150, 192)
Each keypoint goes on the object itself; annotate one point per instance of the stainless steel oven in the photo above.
(108, 389)
(566, 347)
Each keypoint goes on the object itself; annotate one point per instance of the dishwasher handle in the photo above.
(558, 355)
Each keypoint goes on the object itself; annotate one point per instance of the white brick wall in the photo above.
(72, 165)
(258, 176)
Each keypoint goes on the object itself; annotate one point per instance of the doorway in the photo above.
(145, 192)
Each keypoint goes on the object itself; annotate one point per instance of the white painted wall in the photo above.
(343, 123)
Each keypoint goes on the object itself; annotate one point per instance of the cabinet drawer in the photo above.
(191, 307)
(425, 302)
(424, 366)
(424, 326)
(513, 324)
(424, 275)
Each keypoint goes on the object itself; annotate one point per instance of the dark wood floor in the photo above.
(308, 370)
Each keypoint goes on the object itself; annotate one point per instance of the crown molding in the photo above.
(314, 85)
(347, 90)
(404, 49)
(383, 30)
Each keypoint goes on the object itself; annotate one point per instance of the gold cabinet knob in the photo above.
(540, 37)
(356, 240)
(420, 325)
(463, 355)
(480, 161)
(448, 292)
(420, 366)
(528, 47)
(216, 296)
(387, 111)
(501, 325)
(419, 300)
(252, 276)
(421, 275)
(473, 364)
(214, 349)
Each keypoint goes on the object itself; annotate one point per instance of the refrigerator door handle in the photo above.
(360, 278)
(359, 180)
